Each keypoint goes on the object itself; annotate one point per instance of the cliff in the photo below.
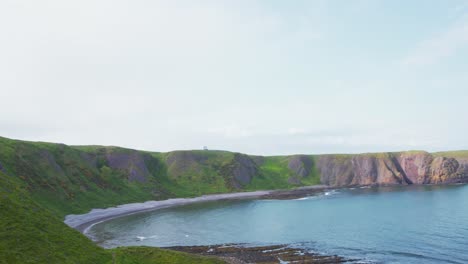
(74, 179)
(393, 168)
(40, 183)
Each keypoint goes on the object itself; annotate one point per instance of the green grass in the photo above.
(30, 233)
(196, 172)
(75, 179)
(454, 154)
(60, 178)
(274, 174)
(42, 182)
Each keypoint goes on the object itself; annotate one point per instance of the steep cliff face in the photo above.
(182, 162)
(301, 166)
(415, 166)
(391, 168)
(240, 171)
(69, 179)
(448, 170)
(131, 163)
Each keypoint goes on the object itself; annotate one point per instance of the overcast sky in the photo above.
(261, 77)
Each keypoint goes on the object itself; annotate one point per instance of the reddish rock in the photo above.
(391, 169)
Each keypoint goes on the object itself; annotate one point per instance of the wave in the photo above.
(332, 192)
(141, 238)
(328, 193)
(304, 198)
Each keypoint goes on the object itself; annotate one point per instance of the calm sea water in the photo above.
(415, 224)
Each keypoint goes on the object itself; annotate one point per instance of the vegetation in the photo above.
(40, 183)
(275, 174)
(455, 154)
(74, 179)
(31, 234)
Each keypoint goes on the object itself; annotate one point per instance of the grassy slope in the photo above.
(60, 178)
(201, 177)
(43, 182)
(75, 179)
(69, 179)
(31, 234)
(274, 174)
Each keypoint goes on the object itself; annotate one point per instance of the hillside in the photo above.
(40, 183)
(31, 234)
(67, 179)
(74, 179)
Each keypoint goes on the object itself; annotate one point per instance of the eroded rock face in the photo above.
(444, 170)
(47, 158)
(355, 170)
(244, 170)
(390, 169)
(301, 165)
(131, 162)
(181, 162)
(335, 170)
(239, 171)
(416, 166)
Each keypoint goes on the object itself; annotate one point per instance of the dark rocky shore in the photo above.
(239, 254)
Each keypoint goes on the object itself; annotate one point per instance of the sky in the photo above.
(259, 77)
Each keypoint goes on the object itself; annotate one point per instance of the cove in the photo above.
(412, 224)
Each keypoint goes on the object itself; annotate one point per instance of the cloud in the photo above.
(440, 47)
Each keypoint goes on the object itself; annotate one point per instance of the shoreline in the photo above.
(231, 253)
(83, 222)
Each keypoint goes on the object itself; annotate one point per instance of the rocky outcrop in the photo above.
(82, 170)
(132, 163)
(182, 162)
(301, 165)
(416, 166)
(390, 169)
(48, 160)
(240, 171)
(445, 170)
